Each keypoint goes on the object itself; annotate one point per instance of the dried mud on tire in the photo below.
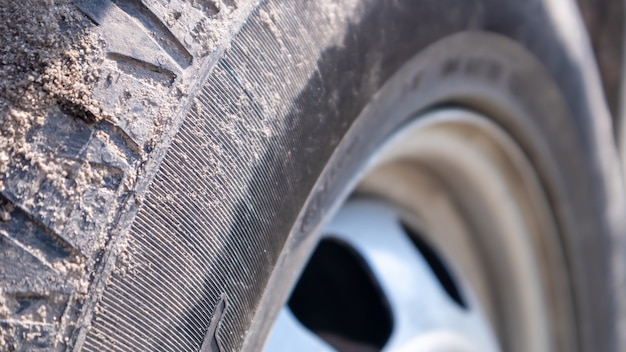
(46, 78)
(81, 111)
(146, 120)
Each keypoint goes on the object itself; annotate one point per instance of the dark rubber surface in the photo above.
(239, 169)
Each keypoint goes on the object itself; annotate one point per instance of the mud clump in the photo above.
(46, 61)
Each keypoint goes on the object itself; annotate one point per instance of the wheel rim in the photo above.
(425, 317)
(467, 187)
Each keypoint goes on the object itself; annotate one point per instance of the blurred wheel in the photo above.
(482, 185)
(460, 265)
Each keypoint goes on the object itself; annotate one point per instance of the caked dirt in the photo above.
(47, 62)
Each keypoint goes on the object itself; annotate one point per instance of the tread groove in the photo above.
(66, 249)
(127, 35)
(159, 31)
(141, 69)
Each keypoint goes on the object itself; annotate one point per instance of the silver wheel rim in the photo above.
(468, 188)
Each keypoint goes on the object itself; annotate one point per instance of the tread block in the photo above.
(157, 30)
(35, 292)
(197, 24)
(69, 182)
(126, 37)
(36, 239)
(138, 106)
(24, 272)
(76, 216)
(34, 308)
(182, 18)
(15, 336)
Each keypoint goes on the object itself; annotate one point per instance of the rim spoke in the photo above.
(288, 335)
(418, 302)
